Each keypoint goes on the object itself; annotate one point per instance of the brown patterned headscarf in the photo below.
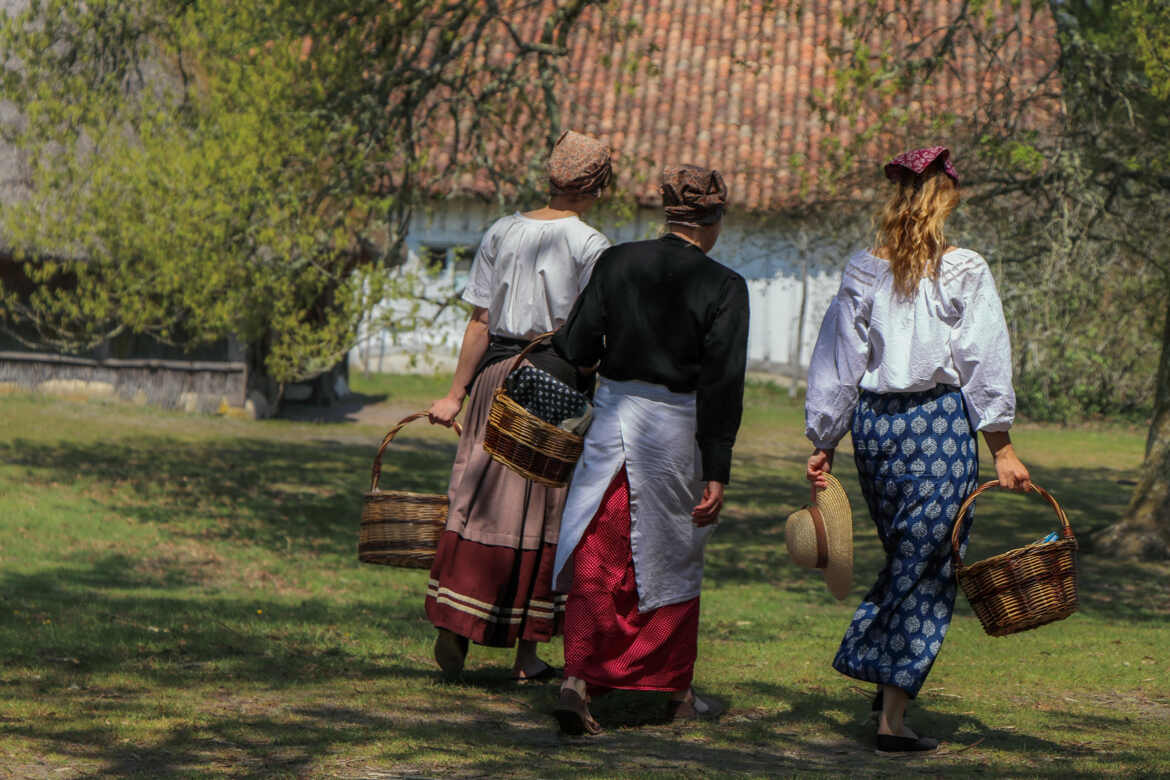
(579, 165)
(692, 195)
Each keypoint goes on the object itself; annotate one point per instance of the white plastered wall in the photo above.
(792, 274)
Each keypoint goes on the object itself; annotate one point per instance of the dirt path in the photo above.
(355, 408)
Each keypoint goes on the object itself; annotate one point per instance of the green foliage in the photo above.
(1150, 21)
(1093, 293)
(1086, 352)
(203, 169)
(186, 203)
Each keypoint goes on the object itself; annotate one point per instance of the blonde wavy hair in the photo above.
(910, 226)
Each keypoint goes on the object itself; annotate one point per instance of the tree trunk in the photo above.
(1144, 532)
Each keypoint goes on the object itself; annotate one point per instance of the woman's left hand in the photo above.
(707, 511)
(1010, 471)
(820, 463)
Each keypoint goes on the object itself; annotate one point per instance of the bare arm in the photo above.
(1008, 469)
(471, 352)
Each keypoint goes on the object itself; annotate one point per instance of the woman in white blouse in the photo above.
(491, 582)
(912, 358)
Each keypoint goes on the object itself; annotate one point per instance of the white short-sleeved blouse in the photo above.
(951, 332)
(528, 272)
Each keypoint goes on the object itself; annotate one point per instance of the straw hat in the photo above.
(821, 537)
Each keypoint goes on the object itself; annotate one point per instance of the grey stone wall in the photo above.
(194, 386)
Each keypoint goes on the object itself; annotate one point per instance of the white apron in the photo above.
(652, 431)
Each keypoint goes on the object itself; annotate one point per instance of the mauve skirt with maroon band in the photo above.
(493, 595)
(608, 644)
(492, 577)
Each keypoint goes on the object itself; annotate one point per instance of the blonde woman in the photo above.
(913, 357)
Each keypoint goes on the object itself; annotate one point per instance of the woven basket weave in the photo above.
(400, 528)
(1022, 588)
(528, 445)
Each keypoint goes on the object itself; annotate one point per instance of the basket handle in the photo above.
(524, 352)
(1066, 531)
(389, 437)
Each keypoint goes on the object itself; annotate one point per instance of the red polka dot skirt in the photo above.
(608, 643)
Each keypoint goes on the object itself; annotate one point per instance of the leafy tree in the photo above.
(1137, 155)
(202, 169)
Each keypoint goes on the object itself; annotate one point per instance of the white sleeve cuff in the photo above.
(477, 297)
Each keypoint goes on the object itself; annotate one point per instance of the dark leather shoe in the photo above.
(573, 716)
(450, 653)
(888, 744)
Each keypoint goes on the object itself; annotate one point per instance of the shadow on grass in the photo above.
(479, 728)
(464, 732)
(281, 495)
(342, 410)
(110, 617)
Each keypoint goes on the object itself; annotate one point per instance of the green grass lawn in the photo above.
(181, 595)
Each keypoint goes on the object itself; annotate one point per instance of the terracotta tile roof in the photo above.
(728, 83)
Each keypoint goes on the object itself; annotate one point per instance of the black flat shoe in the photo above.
(888, 744)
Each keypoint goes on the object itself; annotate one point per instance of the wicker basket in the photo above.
(528, 445)
(1022, 588)
(400, 528)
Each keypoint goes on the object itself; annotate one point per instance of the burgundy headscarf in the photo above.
(692, 195)
(579, 165)
(919, 160)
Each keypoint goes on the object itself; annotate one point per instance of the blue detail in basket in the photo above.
(1052, 537)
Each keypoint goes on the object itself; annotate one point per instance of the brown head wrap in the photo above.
(578, 165)
(692, 195)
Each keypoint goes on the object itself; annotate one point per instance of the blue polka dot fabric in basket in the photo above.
(545, 396)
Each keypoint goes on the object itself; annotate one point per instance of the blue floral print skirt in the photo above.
(917, 459)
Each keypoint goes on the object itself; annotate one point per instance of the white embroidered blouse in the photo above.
(528, 272)
(951, 332)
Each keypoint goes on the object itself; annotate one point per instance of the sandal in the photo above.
(573, 716)
(697, 708)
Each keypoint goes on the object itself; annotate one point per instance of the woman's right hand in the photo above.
(820, 463)
(445, 410)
